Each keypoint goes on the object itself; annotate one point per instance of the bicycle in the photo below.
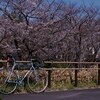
(37, 79)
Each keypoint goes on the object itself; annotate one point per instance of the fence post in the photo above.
(98, 74)
(49, 75)
(76, 72)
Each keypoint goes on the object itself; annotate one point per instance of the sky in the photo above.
(86, 2)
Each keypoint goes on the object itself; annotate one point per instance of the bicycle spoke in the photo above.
(7, 84)
(38, 83)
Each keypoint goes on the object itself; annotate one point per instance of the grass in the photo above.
(67, 85)
(70, 86)
(60, 80)
(1, 98)
(89, 84)
(61, 85)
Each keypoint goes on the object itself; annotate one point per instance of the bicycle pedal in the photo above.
(9, 81)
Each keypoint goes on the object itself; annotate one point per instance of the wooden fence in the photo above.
(76, 68)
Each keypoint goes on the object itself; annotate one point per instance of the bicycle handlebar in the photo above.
(37, 62)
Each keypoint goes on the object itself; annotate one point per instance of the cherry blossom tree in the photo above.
(52, 30)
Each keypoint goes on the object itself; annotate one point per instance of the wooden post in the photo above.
(98, 74)
(76, 72)
(49, 76)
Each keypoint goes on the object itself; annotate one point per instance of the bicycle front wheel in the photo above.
(7, 81)
(38, 81)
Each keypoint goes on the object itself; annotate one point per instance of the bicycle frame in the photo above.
(32, 68)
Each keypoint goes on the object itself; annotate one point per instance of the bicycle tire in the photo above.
(40, 84)
(8, 86)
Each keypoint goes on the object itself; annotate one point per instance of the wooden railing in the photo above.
(76, 67)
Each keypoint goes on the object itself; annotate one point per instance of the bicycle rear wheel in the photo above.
(38, 81)
(7, 83)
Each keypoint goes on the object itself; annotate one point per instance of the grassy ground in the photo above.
(1, 98)
(64, 80)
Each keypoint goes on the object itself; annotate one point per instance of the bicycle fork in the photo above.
(35, 73)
